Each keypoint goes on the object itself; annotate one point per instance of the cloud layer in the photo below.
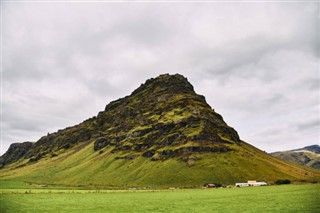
(256, 63)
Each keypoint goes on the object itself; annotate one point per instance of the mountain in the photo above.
(312, 148)
(163, 134)
(307, 156)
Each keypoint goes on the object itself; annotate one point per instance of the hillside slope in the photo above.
(307, 156)
(163, 134)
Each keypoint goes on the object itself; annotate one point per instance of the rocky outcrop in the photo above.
(186, 151)
(15, 152)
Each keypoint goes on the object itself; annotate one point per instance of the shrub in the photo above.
(218, 184)
(279, 182)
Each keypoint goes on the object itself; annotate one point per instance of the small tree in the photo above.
(279, 182)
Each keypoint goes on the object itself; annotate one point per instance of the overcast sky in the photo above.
(256, 63)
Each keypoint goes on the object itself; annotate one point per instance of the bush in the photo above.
(218, 184)
(279, 182)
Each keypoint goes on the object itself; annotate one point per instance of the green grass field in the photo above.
(285, 198)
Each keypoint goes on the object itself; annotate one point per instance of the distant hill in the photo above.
(163, 134)
(308, 156)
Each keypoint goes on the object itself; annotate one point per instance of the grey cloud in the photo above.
(274, 99)
(226, 60)
(312, 84)
(313, 124)
(255, 63)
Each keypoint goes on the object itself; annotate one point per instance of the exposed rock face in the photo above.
(163, 118)
(15, 152)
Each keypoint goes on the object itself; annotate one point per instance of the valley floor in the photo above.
(285, 198)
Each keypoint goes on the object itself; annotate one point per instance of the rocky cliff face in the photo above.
(15, 152)
(163, 118)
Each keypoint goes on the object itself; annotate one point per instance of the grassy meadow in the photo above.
(284, 198)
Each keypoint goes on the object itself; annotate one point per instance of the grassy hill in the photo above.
(83, 166)
(162, 135)
(308, 156)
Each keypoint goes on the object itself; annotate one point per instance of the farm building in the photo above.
(209, 185)
(251, 183)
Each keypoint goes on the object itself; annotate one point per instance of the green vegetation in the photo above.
(252, 199)
(279, 182)
(7, 184)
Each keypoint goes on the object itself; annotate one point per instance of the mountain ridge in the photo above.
(108, 125)
(163, 129)
(307, 156)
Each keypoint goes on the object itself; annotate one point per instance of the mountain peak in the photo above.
(166, 83)
(165, 113)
